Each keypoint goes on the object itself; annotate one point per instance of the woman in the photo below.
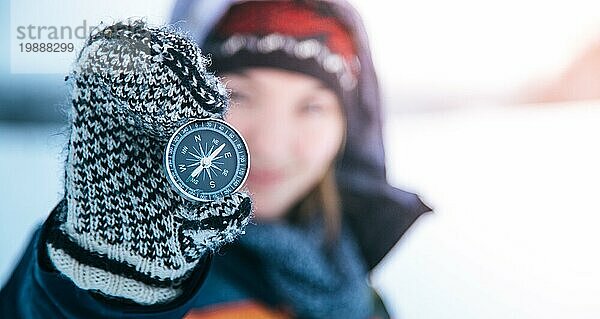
(304, 95)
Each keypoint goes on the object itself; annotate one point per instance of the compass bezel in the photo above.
(174, 180)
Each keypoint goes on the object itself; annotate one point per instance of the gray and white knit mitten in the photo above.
(121, 230)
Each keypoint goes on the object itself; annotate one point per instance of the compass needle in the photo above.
(197, 171)
(216, 152)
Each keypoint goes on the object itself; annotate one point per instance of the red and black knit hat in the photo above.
(298, 36)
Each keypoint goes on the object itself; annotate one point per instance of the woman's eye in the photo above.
(239, 98)
(235, 95)
(313, 108)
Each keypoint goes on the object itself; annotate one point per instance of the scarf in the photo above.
(303, 275)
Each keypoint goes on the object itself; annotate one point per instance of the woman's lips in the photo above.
(264, 177)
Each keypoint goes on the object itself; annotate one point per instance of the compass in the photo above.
(206, 159)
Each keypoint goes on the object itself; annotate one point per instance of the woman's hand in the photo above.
(121, 229)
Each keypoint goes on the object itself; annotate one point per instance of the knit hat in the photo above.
(293, 35)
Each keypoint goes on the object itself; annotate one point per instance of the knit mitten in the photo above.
(121, 230)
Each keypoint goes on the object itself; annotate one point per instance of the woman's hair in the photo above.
(324, 200)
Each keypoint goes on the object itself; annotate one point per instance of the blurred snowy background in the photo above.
(492, 113)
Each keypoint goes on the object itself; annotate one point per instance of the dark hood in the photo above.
(378, 213)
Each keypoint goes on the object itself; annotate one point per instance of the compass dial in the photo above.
(206, 160)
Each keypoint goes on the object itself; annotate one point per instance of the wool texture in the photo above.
(297, 36)
(303, 273)
(121, 230)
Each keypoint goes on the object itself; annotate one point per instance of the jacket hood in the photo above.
(378, 213)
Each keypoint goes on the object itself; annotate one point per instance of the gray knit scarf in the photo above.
(315, 284)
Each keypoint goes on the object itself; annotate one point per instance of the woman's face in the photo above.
(294, 127)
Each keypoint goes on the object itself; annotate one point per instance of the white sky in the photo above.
(473, 47)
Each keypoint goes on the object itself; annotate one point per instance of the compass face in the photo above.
(206, 160)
